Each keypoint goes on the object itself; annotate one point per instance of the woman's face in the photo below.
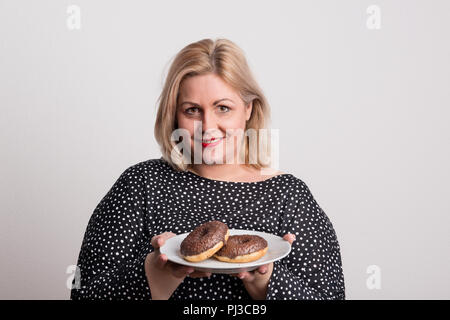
(211, 102)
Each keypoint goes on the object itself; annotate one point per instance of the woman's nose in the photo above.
(209, 121)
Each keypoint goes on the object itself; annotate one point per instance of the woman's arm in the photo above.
(313, 269)
(116, 244)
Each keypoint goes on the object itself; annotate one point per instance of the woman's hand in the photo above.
(164, 276)
(256, 282)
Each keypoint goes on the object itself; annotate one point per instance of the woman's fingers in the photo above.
(180, 271)
(246, 276)
(249, 276)
(161, 262)
(263, 269)
(159, 240)
(156, 241)
(290, 237)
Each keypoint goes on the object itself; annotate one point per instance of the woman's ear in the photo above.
(248, 110)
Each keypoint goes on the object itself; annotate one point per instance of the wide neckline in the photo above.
(236, 182)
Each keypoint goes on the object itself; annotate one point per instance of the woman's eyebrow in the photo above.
(215, 102)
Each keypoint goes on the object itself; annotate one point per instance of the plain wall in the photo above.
(363, 117)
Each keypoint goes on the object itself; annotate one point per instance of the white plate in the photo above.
(277, 249)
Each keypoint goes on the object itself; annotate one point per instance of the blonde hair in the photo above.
(225, 59)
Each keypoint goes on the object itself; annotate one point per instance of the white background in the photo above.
(363, 117)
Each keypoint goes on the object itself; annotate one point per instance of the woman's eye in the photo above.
(195, 110)
(224, 108)
(190, 110)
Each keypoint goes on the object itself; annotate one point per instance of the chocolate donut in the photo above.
(242, 248)
(204, 241)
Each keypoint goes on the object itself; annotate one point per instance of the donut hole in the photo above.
(245, 240)
(204, 232)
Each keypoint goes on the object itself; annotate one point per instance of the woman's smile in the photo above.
(211, 142)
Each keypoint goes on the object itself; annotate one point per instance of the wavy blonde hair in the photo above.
(225, 59)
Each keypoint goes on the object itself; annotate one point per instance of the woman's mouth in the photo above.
(211, 142)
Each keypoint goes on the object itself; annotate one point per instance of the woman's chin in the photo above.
(213, 160)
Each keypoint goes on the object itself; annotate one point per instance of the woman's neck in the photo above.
(229, 172)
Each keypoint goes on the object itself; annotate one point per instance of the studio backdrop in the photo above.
(359, 91)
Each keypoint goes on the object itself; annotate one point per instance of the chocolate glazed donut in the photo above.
(242, 248)
(204, 241)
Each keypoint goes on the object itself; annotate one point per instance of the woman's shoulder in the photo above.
(151, 168)
(298, 186)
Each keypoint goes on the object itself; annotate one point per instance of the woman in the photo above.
(210, 97)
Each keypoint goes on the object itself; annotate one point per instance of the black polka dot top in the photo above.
(151, 197)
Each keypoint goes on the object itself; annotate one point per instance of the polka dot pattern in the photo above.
(151, 197)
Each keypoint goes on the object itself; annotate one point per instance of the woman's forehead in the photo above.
(209, 87)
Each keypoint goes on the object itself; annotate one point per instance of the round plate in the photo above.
(277, 249)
